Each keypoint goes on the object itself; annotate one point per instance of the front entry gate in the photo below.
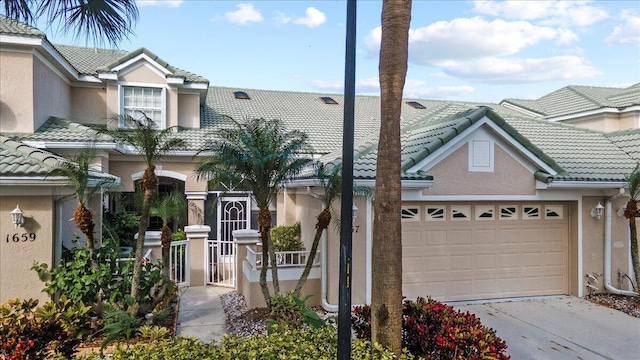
(233, 213)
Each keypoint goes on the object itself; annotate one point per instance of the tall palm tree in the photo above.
(79, 172)
(386, 304)
(261, 155)
(331, 181)
(171, 207)
(93, 19)
(153, 145)
(631, 212)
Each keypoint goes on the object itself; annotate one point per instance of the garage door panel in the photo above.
(485, 259)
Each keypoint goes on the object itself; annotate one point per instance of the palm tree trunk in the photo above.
(165, 239)
(83, 219)
(264, 226)
(148, 185)
(323, 222)
(386, 307)
(631, 212)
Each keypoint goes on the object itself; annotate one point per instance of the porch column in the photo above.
(196, 201)
(197, 236)
(243, 238)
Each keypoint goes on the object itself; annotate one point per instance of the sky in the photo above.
(482, 51)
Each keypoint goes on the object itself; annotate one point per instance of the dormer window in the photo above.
(150, 100)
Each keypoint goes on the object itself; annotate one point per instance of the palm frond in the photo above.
(633, 181)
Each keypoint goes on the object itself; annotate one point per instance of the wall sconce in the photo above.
(354, 212)
(596, 212)
(621, 211)
(17, 217)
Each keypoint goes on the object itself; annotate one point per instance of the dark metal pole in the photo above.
(346, 204)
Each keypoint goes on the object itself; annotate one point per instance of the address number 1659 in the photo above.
(24, 237)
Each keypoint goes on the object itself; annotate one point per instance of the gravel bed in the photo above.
(626, 304)
(244, 322)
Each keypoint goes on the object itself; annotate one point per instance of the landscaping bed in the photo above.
(627, 304)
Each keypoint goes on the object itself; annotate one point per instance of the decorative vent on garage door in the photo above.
(554, 212)
(508, 212)
(530, 212)
(435, 213)
(410, 213)
(485, 212)
(460, 212)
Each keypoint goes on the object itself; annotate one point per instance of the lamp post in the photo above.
(346, 203)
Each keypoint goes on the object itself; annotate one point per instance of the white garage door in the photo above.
(484, 250)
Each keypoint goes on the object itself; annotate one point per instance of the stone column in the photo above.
(243, 238)
(197, 236)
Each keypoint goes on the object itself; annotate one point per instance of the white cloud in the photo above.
(514, 71)
(246, 13)
(368, 85)
(327, 85)
(282, 18)
(563, 13)
(313, 18)
(628, 32)
(168, 3)
(418, 89)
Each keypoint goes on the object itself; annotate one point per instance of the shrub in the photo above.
(287, 238)
(438, 331)
(120, 227)
(291, 344)
(179, 235)
(54, 329)
(290, 311)
(119, 325)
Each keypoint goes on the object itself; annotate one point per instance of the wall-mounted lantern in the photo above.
(596, 212)
(17, 217)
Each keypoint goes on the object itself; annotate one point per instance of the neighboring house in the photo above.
(598, 108)
(496, 202)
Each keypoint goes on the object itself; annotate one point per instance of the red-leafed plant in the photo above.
(437, 331)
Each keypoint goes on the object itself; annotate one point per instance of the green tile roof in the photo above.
(627, 140)
(9, 26)
(576, 154)
(88, 60)
(62, 130)
(577, 99)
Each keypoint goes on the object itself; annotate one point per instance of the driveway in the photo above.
(560, 328)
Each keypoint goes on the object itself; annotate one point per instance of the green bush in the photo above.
(438, 331)
(119, 325)
(287, 238)
(290, 344)
(120, 227)
(54, 329)
(289, 310)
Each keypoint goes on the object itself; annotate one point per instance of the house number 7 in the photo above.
(24, 237)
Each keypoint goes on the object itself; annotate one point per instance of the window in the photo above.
(530, 212)
(485, 212)
(241, 95)
(328, 100)
(554, 212)
(410, 213)
(508, 212)
(415, 105)
(460, 212)
(435, 213)
(147, 100)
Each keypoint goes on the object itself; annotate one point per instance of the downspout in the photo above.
(607, 249)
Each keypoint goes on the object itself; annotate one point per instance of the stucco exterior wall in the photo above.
(16, 91)
(89, 105)
(124, 169)
(189, 110)
(593, 243)
(452, 176)
(17, 257)
(51, 94)
(142, 74)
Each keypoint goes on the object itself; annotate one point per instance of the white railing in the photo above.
(221, 263)
(284, 259)
(179, 262)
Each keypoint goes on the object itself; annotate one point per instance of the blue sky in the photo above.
(459, 50)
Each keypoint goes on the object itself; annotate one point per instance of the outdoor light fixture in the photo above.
(621, 211)
(596, 212)
(17, 217)
(354, 212)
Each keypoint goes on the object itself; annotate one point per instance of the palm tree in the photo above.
(153, 145)
(95, 19)
(331, 181)
(171, 207)
(386, 306)
(81, 176)
(261, 155)
(631, 212)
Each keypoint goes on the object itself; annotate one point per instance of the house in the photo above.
(499, 200)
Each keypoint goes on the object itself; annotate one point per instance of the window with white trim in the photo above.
(485, 212)
(460, 212)
(530, 212)
(554, 212)
(148, 100)
(508, 212)
(435, 213)
(410, 213)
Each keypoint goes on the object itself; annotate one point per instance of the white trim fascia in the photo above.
(196, 195)
(586, 184)
(89, 78)
(21, 40)
(108, 76)
(31, 180)
(142, 56)
(519, 109)
(577, 116)
(462, 138)
(70, 145)
(60, 59)
(175, 80)
(161, 172)
(196, 85)
(543, 196)
(406, 184)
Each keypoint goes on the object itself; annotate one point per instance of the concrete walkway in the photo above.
(561, 328)
(200, 313)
